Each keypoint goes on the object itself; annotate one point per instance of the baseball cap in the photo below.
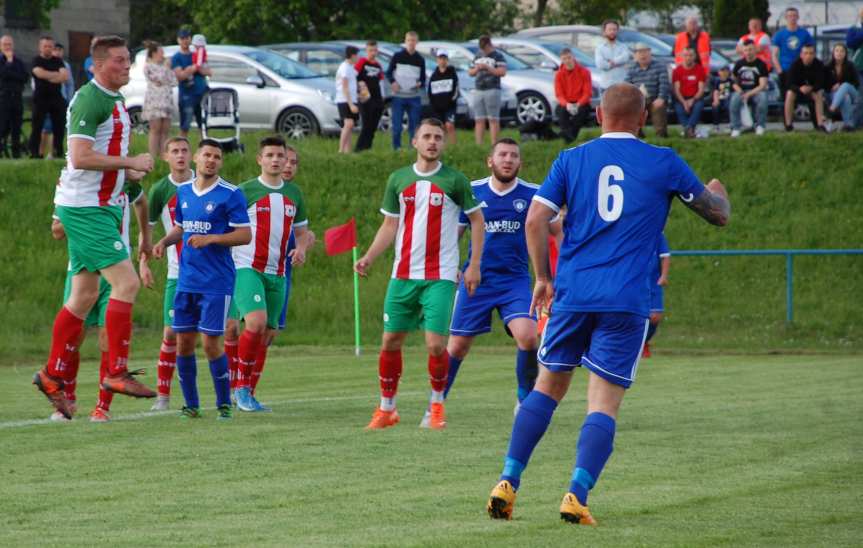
(443, 53)
(640, 46)
(184, 33)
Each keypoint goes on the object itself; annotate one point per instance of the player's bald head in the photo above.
(622, 103)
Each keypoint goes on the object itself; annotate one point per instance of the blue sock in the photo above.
(526, 370)
(530, 424)
(454, 364)
(187, 373)
(221, 380)
(651, 329)
(595, 445)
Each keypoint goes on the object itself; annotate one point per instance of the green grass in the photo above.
(730, 451)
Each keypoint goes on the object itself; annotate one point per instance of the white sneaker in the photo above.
(735, 133)
(161, 404)
(716, 129)
(57, 416)
(426, 419)
(759, 130)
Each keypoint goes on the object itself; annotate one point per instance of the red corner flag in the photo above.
(342, 238)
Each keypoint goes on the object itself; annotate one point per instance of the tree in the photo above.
(730, 17)
(37, 11)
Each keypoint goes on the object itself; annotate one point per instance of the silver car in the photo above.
(275, 92)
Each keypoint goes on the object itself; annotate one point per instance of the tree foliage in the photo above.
(730, 17)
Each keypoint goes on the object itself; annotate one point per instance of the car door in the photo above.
(255, 101)
(323, 61)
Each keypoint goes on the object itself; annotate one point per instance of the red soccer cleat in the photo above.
(52, 387)
(125, 383)
(383, 419)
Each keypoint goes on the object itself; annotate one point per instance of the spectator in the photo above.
(49, 74)
(761, 40)
(407, 77)
(346, 97)
(806, 84)
(159, 97)
(13, 78)
(651, 78)
(88, 63)
(842, 83)
(68, 91)
(489, 66)
(369, 76)
(721, 85)
(693, 37)
(192, 81)
(611, 56)
(443, 92)
(689, 81)
(787, 44)
(572, 88)
(854, 41)
(750, 87)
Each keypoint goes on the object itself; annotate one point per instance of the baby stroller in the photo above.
(220, 108)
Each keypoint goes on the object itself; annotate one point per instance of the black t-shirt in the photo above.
(723, 87)
(443, 89)
(43, 89)
(372, 74)
(812, 74)
(747, 73)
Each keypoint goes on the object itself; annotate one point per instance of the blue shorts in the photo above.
(200, 312)
(287, 297)
(657, 294)
(607, 343)
(472, 315)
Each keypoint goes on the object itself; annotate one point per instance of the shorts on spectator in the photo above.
(486, 104)
(446, 116)
(345, 112)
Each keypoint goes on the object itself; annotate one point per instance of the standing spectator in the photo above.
(49, 74)
(346, 97)
(854, 41)
(689, 81)
(407, 77)
(13, 78)
(787, 44)
(761, 40)
(694, 37)
(68, 91)
(88, 62)
(806, 84)
(192, 80)
(443, 92)
(489, 66)
(651, 78)
(722, 87)
(611, 56)
(842, 83)
(158, 99)
(572, 88)
(369, 75)
(750, 86)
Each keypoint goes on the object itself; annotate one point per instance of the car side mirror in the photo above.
(256, 81)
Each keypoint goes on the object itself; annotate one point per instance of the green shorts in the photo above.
(168, 302)
(411, 304)
(97, 313)
(254, 290)
(93, 236)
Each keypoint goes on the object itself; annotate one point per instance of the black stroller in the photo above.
(220, 108)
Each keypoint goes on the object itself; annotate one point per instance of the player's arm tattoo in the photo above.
(714, 208)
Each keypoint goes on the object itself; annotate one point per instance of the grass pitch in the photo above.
(732, 450)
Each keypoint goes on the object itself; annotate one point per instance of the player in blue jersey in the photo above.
(210, 218)
(618, 191)
(504, 199)
(660, 263)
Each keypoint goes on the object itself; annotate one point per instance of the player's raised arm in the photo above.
(712, 204)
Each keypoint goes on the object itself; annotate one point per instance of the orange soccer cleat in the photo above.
(501, 501)
(572, 511)
(383, 419)
(437, 416)
(100, 415)
(52, 387)
(125, 383)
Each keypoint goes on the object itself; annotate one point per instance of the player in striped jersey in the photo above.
(421, 208)
(163, 205)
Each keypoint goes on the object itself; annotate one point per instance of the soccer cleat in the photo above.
(100, 415)
(383, 419)
(125, 383)
(645, 353)
(259, 407)
(226, 413)
(162, 404)
(245, 401)
(572, 511)
(437, 420)
(52, 387)
(501, 501)
(191, 413)
(424, 423)
(57, 416)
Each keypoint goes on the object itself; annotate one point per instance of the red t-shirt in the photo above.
(688, 78)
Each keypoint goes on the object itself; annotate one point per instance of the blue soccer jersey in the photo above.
(618, 191)
(217, 210)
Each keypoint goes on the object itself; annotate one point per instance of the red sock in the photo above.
(247, 352)
(438, 369)
(231, 352)
(70, 377)
(165, 368)
(118, 324)
(389, 372)
(258, 368)
(67, 329)
(105, 397)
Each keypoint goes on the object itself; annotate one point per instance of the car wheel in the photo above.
(139, 126)
(297, 123)
(532, 107)
(386, 122)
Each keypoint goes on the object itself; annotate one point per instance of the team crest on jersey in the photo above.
(436, 199)
(519, 205)
(185, 205)
(210, 207)
(290, 210)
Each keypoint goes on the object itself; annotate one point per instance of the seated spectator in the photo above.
(841, 86)
(854, 41)
(721, 86)
(750, 89)
(572, 87)
(806, 85)
(651, 77)
(688, 80)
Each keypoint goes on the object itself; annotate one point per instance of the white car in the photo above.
(275, 92)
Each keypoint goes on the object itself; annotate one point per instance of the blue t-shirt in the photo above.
(504, 253)
(218, 210)
(618, 190)
(790, 43)
(662, 250)
(88, 63)
(197, 84)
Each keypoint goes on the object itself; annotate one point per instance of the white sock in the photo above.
(436, 397)
(388, 404)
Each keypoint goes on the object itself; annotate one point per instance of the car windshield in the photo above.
(658, 47)
(512, 63)
(281, 65)
(579, 55)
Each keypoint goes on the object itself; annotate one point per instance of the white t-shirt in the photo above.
(346, 71)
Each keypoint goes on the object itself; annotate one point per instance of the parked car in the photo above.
(275, 93)
(321, 57)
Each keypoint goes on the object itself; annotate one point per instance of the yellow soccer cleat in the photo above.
(501, 501)
(383, 419)
(572, 511)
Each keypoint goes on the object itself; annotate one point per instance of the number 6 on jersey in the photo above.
(609, 192)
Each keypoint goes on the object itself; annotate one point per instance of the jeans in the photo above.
(689, 120)
(719, 109)
(370, 113)
(843, 99)
(571, 124)
(759, 102)
(398, 106)
(190, 106)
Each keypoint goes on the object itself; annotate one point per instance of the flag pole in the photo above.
(356, 306)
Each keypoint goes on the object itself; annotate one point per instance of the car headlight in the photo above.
(327, 95)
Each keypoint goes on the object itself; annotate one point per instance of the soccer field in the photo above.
(733, 450)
